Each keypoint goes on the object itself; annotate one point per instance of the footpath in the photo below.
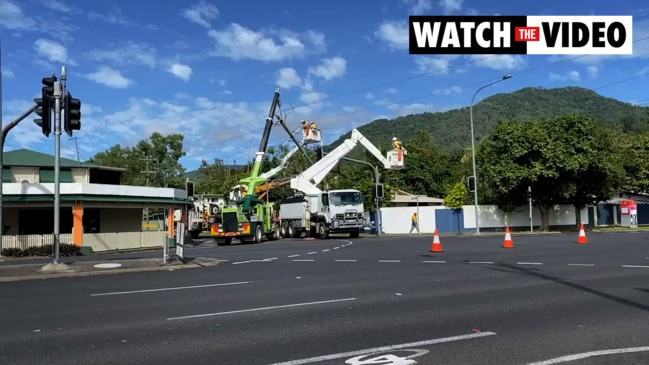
(32, 268)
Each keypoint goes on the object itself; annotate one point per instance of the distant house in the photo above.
(404, 199)
(96, 209)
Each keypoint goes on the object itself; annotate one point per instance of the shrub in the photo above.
(65, 250)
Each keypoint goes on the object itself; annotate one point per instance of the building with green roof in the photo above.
(96, 209)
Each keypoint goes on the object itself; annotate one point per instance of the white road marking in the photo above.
(325, 250)
(335, 248)
(168, 289)
(581, 264)
(385, 349)
(434, 262)
(303, 260)
(293, 256)
(481, 262)
(389, 260)
(312, 253)
(346, 260)
(635, 266)
(249, 261)
(262, 309)
(530, 263)
(585, 355)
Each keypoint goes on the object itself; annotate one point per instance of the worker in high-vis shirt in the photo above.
(396, 144)
(414, 223)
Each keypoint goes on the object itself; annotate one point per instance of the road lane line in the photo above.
(636, 266)
(293, 256)
(335, 248)
(312, 253)
(481, 262)
(434, 262)
(385, 348)
(585, 355)
(262, 309)
(168, 289)
(581, 264)
(325, 250)
(346, 260)
(529, 263)
(389, 260)
(303, 260)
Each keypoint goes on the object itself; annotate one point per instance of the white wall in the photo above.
(396, 220)
(92, 189)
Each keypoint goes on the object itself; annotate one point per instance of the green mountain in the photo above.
(451, 130)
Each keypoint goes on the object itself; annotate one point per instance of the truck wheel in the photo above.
(259, 236)
(226, 242)
(323, 231)
(354, 234)
(290, 231)
(195, 234)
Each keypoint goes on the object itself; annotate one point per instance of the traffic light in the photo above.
(72, 114)
(44, 103)
(471, 184)
(378, 191)
(189, 187)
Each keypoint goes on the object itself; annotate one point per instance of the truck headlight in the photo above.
(335, 224)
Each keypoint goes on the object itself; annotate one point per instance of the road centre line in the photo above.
(335, 248)
(481, 262)
(263, 308)
(529, 263)
(389, 260)
(636, 266)
(293, 256)
(434, 262)
(346, 260)
(581, 264)
(585, 355)
(168, 289)
(303, 260)
(312, 253)
(325, 250)
(385, 348)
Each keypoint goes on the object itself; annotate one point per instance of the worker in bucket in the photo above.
(305, 127)
(397, 145)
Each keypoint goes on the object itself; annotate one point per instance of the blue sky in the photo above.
(209, 69)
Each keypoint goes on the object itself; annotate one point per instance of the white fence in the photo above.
(396, 220)
(98, 241)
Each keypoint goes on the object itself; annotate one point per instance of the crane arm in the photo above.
(307, 181)
(282, 165)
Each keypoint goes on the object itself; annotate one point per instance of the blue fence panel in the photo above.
(605, 214)
(643, 213)
(449, 220)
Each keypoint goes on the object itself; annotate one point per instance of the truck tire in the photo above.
(226, 242)
(290, 231)
(259, 235)
(354, 234)
(322, 230)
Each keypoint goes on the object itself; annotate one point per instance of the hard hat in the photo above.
(394, 138)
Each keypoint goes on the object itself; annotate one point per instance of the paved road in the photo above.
(475, 303)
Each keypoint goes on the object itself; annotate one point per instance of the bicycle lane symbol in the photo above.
(387, 358)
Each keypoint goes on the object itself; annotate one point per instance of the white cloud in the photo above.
(312, 97)
(449, 6)
(238, 42)
(202, 14)
(570, 76)
(394, 33)
(13, 18)
(110, 77)
(499, 62)
(421, 7)
(593, 71)
(440, 64)
(115, 16)
(52, 50)
(330, 68)
(57, 6)
(8, 74)
(449, 91)
(130, 53)
(287, 78)
(181, 71)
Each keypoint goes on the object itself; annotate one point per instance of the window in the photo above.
(346, 198)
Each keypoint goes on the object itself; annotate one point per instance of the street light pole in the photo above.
(475, 174)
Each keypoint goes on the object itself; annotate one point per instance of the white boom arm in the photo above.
(282, 165)
(307, 181)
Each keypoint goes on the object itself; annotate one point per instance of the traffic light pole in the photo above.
(58, 92)
(3, 138)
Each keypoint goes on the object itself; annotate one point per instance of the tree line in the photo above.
(569, 159)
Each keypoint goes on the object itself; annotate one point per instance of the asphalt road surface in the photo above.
(370, 301)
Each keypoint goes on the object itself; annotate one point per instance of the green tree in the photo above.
(634, 158)
(457, 196)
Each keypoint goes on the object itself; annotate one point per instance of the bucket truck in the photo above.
(319, 213)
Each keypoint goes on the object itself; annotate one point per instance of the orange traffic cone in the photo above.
(437, 245)
(582, 235)
(509, 243)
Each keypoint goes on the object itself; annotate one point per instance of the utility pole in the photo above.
(148, 173)
(58, 93)
(529, 198)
